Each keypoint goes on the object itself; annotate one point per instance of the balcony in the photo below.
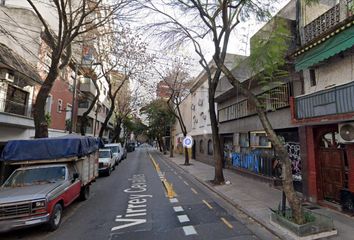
(86, 85)
(328, 20)
(15, 113)
(273, 99)
(334, 101)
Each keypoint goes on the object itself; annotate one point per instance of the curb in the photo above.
(229, 201)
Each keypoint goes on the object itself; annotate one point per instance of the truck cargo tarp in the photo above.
(49, 148)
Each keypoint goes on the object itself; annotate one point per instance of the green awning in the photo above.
(327, 49)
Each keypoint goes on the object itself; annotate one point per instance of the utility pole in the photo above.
(73, 100)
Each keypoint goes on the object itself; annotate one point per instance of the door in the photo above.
(193, 149)
(331, 160)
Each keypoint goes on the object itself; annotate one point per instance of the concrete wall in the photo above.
(23, 30)
(279, 119)
(14, 133)
(338, 70)
(203, 156)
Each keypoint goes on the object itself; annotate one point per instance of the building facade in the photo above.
(325, 112)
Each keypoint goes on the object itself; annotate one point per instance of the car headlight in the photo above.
(38, 204)
(106, 164)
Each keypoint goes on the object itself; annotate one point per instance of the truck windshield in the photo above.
(104, 154)
(34, 176)
(114, 149)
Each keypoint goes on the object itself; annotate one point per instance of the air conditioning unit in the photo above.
(10, 77)
(346, 132)
(193, 107)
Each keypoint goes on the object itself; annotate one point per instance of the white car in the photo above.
(117, 151)
(106, 162)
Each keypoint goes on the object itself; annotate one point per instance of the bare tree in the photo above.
(125, 59)
(74, 19)
(124, 107)
(218, 20)
(178, 81)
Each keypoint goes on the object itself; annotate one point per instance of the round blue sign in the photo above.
(188, 142)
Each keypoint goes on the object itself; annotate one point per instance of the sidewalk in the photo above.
(255, 198)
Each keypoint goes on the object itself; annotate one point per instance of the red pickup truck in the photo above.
(46, 182)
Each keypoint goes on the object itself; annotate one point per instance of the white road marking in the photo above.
(183, 218)
(189, 230)
(173, 200)
(186, 183)
(178, 209)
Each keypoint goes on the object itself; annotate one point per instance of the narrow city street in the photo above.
(132, 204)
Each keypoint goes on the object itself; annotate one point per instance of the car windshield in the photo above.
(35, 176)
(104, 154)
(114, 149)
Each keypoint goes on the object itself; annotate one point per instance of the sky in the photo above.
(239, 44)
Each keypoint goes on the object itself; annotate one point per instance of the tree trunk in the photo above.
(186, 157)
(288, 187)
(171, 146)
(40, 123)
(218, 156)
(117, 130)
(105, 123)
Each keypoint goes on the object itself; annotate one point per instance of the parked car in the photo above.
(106, 162)
(51, 173)
(131, 147)
(117, 151)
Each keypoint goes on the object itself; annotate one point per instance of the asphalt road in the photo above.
(132, 204)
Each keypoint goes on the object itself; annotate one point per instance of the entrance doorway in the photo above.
(193, 149)
(331, 159)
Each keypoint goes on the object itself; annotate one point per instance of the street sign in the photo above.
(188, 142)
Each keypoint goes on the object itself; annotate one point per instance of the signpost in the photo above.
(188, 142)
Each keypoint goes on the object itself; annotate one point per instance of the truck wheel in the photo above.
(85, 193)
(109, 171)
(55, 218)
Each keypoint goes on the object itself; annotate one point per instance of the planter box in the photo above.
(321, 226)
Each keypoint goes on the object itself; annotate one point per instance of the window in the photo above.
(210, 147)
(48, 105)
(68, 112)
(201, 147)
(60, 106)
(313, 77)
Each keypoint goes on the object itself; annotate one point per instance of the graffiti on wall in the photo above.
(293, 149)
(263, 161)
(258, 161)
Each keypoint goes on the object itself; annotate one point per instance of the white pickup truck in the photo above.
(51, 174)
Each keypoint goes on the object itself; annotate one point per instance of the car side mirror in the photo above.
(75, 176)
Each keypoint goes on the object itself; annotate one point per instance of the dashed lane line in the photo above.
(178, 209)
(189, 230)
(173, 200)
(227, 223)
(183, 218)
(185, 183)
(193, 190)
(180, 177)
(208, 205)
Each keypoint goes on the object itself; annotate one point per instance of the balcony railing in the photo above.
(337, 100)
(273, 99)
(328, 20)
(322, 24)
(87, 85)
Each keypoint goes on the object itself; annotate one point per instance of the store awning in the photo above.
(332, 46)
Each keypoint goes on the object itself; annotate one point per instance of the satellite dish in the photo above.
(347, 132)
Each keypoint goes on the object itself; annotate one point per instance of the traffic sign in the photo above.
(188, 142)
